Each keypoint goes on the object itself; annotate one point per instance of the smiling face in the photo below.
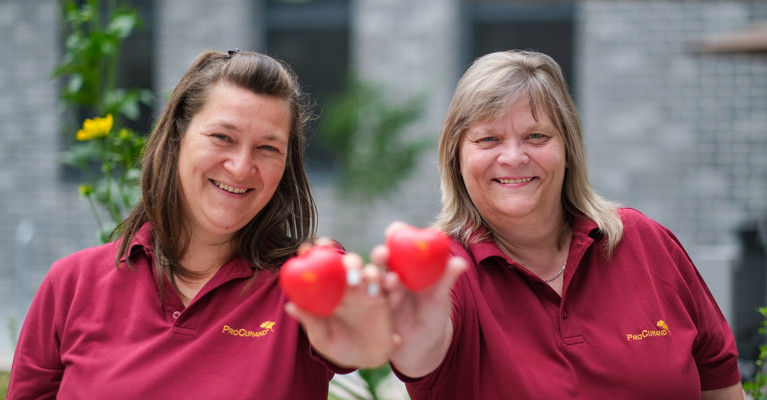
(231, 160)
(514, 167)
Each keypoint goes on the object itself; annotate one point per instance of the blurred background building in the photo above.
(674, 108)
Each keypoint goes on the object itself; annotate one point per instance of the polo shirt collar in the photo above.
(237, 267)
(488, 254)
(143, 240)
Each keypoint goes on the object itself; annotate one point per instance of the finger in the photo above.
(316, 331)
(397, 340)
(353, 264)
(394, 289)
(324, 241)
(391, 281)
(456, 266)
(304, 247)
(303, 316)
(380, 255)
(372, 277)
(393, 227)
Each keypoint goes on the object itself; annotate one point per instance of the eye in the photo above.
(221, 136)
(487, 139)
(269, 148)
(536, 136)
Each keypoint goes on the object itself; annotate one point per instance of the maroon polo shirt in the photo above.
(642, 325)
(95, 331)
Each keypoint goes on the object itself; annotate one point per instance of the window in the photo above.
(313, 37)
(503, 26)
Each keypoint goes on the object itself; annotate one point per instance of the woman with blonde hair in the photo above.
(554, 291)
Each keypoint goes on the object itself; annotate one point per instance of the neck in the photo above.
(531, 232)
(204, 256)
(201, 262)
(540, 247)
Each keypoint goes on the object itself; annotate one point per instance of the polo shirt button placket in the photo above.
(176, 314)
(564, 314)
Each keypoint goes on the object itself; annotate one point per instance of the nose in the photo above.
(240, 164)
(512, 153)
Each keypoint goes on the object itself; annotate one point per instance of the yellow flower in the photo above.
(95, 128)
(86, 190)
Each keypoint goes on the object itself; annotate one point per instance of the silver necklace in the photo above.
(558, 273)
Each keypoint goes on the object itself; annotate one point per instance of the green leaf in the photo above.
(122, 25)
(81, 154)
(368, 135)
(374, 376)
(75, 83)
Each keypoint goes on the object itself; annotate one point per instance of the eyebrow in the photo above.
(276, 138)
(224, 124)
(271, 137)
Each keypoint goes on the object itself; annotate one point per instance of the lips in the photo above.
(230, 189)
(514, 180)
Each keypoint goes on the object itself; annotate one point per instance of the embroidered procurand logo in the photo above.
(266, 328)
(661, 331)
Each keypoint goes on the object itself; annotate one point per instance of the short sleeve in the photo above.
(37, 368)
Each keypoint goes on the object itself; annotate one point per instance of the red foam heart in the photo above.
(315, 280)
(418, 256)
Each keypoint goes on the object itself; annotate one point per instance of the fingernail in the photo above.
(353, 277)
(373, 289)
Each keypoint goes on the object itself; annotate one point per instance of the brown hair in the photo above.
(286, 221)
(486, 91)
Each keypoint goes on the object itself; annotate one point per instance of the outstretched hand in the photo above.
(359, 332)
(421, 320)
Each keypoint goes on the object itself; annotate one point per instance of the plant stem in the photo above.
(95, 212)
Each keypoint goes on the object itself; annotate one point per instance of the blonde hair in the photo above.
(486, 91)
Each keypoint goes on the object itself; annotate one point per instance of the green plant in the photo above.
(4, 378)
(371, 378)
(372, 156)
(756, 387)
(106, 156)
(13, 330)
(367, 135)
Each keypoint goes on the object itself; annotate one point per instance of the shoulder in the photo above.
(87, 256)
(457, 249)
(637, 223)
(632, 215)
(83, 264)
(644, 235)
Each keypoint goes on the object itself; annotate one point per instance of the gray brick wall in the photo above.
(680, 135)
(30, 184)
(184, 28)
(408, 47)
(677, 134)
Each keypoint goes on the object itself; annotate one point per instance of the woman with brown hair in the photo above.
(193, 308)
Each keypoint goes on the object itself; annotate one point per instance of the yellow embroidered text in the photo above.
(267, 327)
(648, 333)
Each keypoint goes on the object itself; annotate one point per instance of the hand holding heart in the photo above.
(421, 317)
(315, 280)
(339, 303)
(418, 256)
(354, 326)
